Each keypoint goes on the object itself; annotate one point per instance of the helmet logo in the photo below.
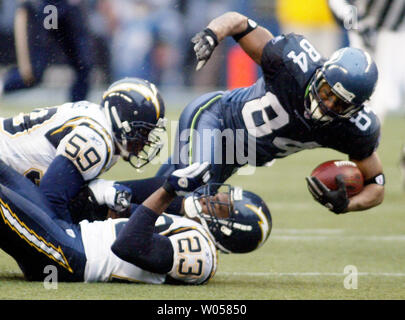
(342, 92)
(263, 223)
(226, 231)
(335, 57)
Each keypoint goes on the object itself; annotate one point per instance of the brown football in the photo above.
(327, 172)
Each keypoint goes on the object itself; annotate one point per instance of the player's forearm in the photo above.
(228, 24)
(137, 243)
(372, 195)
(251, 39)
(158, 201)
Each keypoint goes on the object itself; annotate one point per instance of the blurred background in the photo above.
(151, 39)
(98, 41)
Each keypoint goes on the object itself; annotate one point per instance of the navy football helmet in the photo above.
(246, 223)
(136, 111)
(351, 75)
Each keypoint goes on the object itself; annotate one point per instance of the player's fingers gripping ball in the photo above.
(332, 183)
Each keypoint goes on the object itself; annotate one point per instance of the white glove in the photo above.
(116, 196)
(183, 181)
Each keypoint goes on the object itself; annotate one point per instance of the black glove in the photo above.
(85, 206)
(204, 45)
(183, 181)
(335, 200)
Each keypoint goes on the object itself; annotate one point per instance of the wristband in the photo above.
(378, 179)
(251, 25)
(169, 188)
(212, 34)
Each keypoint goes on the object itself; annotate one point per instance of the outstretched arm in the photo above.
(251, 38)
(137, 243)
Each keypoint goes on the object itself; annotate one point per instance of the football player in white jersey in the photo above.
(66, 146)
(149, 247)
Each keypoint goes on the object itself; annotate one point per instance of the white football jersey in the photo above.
(79, 131)
(194, 261)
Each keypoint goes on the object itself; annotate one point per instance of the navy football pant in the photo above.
(32, 234)
(200, 137)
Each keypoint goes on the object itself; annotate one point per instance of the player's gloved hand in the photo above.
(183, 181)
(204, 45)
(335, 200)
(116, 196)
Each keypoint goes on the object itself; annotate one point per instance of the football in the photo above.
(327, 172)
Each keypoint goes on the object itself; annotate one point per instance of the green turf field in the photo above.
(305, 256)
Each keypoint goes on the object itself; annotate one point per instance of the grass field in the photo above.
(305, 256)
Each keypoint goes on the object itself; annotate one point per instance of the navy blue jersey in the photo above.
(271, 112)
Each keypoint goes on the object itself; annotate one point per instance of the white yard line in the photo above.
(321, 234)
(308, 274)
(307, 231)
(334, 237)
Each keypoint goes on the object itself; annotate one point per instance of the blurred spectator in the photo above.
(7, 9)
(379, 28)
(102, 23)
(313, 19)
(146, 41)
(35, 33)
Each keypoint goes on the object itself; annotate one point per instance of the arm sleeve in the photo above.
(61, 182)
(138, 244)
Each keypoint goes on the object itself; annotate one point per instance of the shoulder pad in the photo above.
(359, 137)
(290, 58)
(88, 148)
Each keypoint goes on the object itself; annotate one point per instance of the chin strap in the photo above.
(123, 151)
(121, 147)
(192, 207)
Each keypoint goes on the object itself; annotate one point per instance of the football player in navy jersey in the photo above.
(302, 101)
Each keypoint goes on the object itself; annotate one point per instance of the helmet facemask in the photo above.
(315, 107)
(220, 216)
(141, 137)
